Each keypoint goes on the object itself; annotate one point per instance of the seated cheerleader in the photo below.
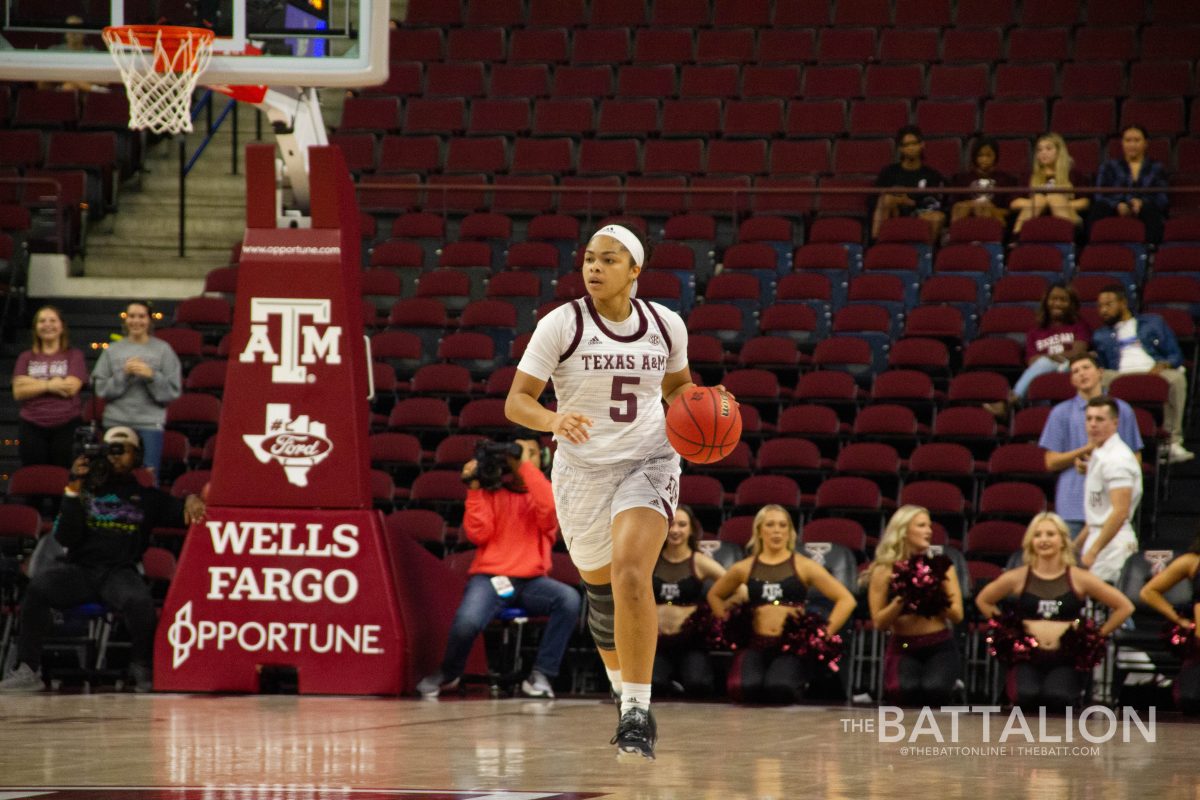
(681, 660)
(780, 646)
(1049, 648)
(1183, 632)
(917, 598)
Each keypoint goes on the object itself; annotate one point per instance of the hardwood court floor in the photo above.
(334, 748)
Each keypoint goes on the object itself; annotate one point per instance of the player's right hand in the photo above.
(572, 426)
(720, 387)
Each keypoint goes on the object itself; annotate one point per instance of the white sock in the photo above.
(636, 695)
(614, 678)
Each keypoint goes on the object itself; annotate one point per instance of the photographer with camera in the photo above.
(104, 524)
(510, 517)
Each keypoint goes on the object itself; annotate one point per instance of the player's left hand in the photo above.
(721, 388)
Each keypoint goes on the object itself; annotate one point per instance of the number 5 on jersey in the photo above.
(627, 413)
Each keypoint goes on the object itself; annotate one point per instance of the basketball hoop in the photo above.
(160, 65)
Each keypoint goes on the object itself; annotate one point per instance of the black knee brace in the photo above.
(601, 611)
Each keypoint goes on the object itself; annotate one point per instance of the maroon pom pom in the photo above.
(804, 635)
(1082, 645)
(736, 630)
(1182, 640)
(918, 581)
(697, 630)
(1007, 640)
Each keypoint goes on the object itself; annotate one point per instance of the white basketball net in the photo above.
(160, 67)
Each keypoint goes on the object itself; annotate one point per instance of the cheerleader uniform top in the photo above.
(776, 584)
(1052, 599)
(677, 584)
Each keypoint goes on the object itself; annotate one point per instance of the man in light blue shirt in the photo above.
(1065, 440)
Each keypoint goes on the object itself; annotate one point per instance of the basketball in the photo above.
(704, 425)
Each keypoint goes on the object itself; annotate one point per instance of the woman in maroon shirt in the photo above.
(46, 382)
(1061, 333)
(983, 176)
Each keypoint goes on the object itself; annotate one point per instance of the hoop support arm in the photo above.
(295, 116)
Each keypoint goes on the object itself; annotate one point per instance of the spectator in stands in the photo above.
(1051, 594)
(1052, 169)
(1184, 568)
(73, 42)
(139, 376)
(1112, 491)
(104, 524)
(910, 171)
(1144, 343)
(1133, 171)
(1065, 440)
(922, 665)
(47, 380)
(983, 176)
(776, 580)
(512, 522)
(681, 662)
(1059, 335)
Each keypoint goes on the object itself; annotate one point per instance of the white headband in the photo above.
(627, 238)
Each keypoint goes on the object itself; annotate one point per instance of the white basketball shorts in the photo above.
(588, 499)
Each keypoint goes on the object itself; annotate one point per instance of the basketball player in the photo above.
(613, 359)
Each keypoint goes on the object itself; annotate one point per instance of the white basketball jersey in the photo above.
(611, 372)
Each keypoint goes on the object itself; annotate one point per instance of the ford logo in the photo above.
(297, 445)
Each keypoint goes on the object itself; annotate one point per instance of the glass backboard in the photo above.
(267, 42)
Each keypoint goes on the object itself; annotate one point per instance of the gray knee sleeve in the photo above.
(600, 614)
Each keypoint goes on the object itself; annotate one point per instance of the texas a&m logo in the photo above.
(299, 344)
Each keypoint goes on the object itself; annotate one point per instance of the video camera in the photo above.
(89, 442)
(491, 463)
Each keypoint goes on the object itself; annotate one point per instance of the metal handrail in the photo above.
(797, 189)
(739, 195)
(14, 298)
(186, 163)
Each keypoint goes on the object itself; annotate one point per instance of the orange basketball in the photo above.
(704, 425)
